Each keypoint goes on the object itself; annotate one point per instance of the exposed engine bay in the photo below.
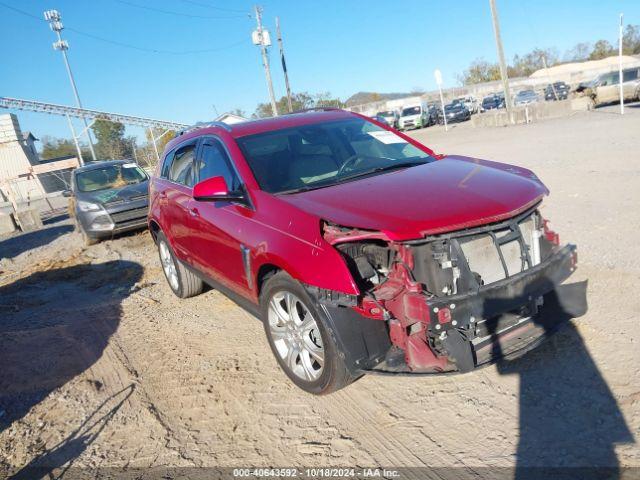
(457, 300)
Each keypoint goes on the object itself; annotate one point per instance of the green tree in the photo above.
(579, 53)
(480, 71)
(111, 142)
(325, 99)
(61, 147)
(631, 40)
(602, 49)
(533, 61)
(299, 101)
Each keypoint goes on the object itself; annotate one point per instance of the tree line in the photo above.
(110, 143)
(299, 101)
(481, 71)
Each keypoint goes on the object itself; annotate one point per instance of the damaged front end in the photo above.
(459, 300)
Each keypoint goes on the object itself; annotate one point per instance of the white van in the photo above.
(415, 116)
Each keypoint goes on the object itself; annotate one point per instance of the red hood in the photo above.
(445, 195)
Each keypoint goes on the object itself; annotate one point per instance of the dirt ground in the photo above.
(100, 365)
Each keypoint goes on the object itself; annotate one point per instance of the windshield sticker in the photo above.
(129, 165)
(387, 137)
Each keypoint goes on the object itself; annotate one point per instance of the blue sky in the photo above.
(331, 45)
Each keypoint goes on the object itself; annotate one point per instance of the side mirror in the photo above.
(215, 189)
(67, 193)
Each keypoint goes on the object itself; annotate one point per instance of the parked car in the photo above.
(359, 248)
(606, 88)
(108, 198)
(390, 117)
(492, 102)
(415, 116)
(526, 97)
(456, 112)
(470, 102)
(435, 112)
(556, 91)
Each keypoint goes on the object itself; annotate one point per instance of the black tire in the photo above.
(187, 284)
(334, 374)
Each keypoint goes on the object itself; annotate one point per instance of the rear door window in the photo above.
(181, 169)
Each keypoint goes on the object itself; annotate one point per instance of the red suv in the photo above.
(359, 248)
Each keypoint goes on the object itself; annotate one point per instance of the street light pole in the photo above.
(263, 39)
(503, 65)
(54, 19)
(438, 75)
(620, 80)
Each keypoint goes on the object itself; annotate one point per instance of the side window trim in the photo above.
(166, 164)
(229, 160)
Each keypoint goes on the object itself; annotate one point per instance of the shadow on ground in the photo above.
(54, 325)
(569, 420)
(61, 456)
(14, 246)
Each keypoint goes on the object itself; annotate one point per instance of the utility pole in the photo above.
(620, 67)
(546, 69)
(284, 65)
(503, 65)
(54, 19)
(261, 37)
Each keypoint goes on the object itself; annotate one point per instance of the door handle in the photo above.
(194, 212)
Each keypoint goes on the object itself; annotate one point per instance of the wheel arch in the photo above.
(331, 273)
(265, 271)
(154, 228)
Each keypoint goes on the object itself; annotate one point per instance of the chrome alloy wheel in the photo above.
(168, 265)
(296, 335)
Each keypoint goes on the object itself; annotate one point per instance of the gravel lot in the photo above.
(102, 366)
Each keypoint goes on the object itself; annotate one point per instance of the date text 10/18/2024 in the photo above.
(315, 473)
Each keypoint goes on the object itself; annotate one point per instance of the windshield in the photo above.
(325, 154)
(452, 107)
(489, 100)
(385, 114)
(526, 93)
(410, 111)
(110, 176)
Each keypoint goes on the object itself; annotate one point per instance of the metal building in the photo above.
(21, 171)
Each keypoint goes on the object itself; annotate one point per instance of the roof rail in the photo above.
(314, 109)
(204, 125)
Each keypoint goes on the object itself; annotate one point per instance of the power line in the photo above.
(123, 44)
(154, 50)
(21, 12)
(179, 14)
(206, 5)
